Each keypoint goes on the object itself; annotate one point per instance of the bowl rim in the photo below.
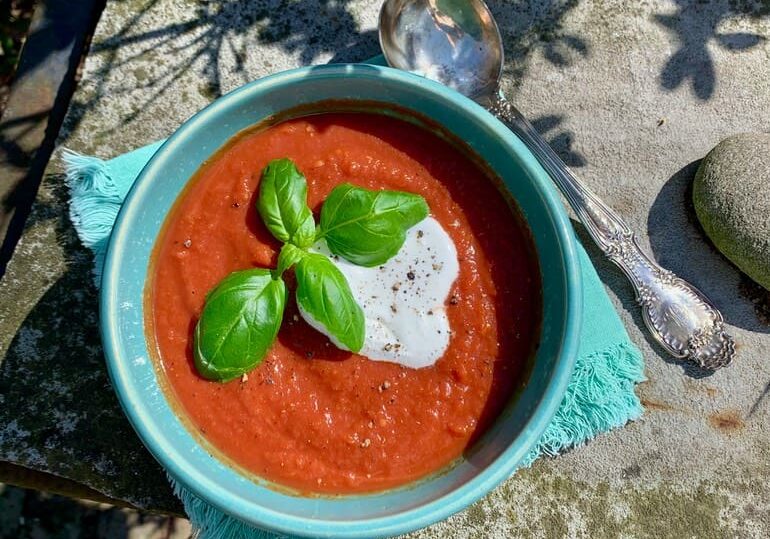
(412, 519)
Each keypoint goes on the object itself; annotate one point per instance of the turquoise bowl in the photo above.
(134, 376)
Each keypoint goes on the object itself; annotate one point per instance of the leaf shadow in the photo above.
(54, 385)
(529, 28)
(694, 27)
(560, 139)
(216, 43)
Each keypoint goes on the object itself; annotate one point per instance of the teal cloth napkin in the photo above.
(600, 395)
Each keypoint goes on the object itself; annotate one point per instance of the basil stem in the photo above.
(288, 257)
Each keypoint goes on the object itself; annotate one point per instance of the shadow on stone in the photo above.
(680, 245)
(758, 403)
(30, 514)
(695, 28)
(559, 138)
(530, 27)
(222, 31)
(60, 413)
(308, 28)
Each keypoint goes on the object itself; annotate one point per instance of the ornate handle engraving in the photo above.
(677, 314)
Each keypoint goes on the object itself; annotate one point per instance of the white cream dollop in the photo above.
(404, 299)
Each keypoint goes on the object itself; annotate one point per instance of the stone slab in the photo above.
(37, 103)
(631, 94)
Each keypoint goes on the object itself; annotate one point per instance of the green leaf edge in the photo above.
(340, 250)
(358, 311)
(228, 374)
(304, 235)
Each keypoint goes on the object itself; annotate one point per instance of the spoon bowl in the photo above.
(454, 42)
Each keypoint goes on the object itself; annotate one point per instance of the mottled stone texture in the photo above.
(731, 194)
(631, 94)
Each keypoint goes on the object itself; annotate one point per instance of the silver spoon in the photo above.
(457, 43)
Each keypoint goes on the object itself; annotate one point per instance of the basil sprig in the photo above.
(369, 227)
(243, 313)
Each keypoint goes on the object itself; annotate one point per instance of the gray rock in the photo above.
(732, 199)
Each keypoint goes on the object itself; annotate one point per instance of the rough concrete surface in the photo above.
(631, 94)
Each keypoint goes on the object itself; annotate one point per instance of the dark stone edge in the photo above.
(58, 39)
(13, 474)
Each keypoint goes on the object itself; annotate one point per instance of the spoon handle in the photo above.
(677, 314)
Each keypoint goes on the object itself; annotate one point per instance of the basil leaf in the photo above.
(288, 257)
(369, 227)
(238, 324)
(282, 203)
(323, 293)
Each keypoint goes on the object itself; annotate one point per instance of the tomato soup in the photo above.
(312, 417)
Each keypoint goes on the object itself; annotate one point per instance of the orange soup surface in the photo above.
(312, 417)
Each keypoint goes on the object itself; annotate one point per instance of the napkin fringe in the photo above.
(95, 201)
(600, 397)
(211, 523)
